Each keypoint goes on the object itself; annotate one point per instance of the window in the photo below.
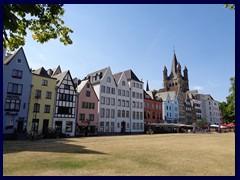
(108, 79)
(123, 92)
(107, 113)
(113, 91)
(102, 112)
(91, 117)
(134, 104)
(137, 115)
(88, 85)
(137, 85)
(133, 94)
(137, 104)
(108, 90)
(123, 103)
(119, 92)
(134, 126)
(47, 109)
(170, 108)
(112, 113)
(107, 126)
(134, 115)
(119, 102)
(66, 97)
(119, 113)
(137, 125)
(14, 88)
(123, 113)
(81, 117)
(128, 125)
(113, 101)
(64, 110)
(38, 93)
(102, 100)
(127, 93)
(127, 114)
(167, 107)
(140, 95)
(69, 125)
(137, 95)
(123, 83)
(36, 107)
(141, 105)
(103, 89)
(141, 115)
(127, 103)
(66, 86)
(88, 93)
(48, 95)
(141, 125)
(17, 74)
(133, 84)
(35, 123)
(19, 61)
(118, 125)
(101, 129)
(141, 86)
(12, 105)
(108, 101)
(44, 82)
(112, 126)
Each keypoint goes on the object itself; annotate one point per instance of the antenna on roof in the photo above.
(174, 49)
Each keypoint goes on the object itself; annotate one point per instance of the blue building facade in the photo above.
(17, 79)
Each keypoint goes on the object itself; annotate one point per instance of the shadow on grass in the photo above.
(46, 145)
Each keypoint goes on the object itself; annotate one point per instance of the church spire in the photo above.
(174, 64)
(147, 87)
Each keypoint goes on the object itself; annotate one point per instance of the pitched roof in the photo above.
(117, 77)
(60, 77)
(81, 85)
(163, 95)
(131, 76)
(56, 70)
(93, 74)
(42, 72)
(9, 58)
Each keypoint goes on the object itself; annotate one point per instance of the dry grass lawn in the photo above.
(138, 155)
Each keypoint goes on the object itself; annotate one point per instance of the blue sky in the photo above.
(142, 38)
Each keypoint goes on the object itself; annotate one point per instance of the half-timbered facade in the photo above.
(65, 106)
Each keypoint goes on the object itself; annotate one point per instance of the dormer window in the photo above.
(123, 83)
(108, 79)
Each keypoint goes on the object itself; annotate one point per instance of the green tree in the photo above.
(43, 20)
(231, 6)
(228, 108)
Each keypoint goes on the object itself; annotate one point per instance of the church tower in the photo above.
(175, 80)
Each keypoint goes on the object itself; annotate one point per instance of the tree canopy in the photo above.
(44, 20)
(231, 6)
(228, 108)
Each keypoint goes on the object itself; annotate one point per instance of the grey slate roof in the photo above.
(101, 71)
(60, 77)
(131, 76)
(42, 72)
(117, 77)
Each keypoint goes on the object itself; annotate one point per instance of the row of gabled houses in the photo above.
(101, 102)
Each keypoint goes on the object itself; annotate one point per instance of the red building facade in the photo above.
(152, 110)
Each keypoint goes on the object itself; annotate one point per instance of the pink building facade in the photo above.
(87, 110)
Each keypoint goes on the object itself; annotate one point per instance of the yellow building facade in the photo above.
(42, 101)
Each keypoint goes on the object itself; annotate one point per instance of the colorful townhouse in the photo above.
(170, 106)
(136, 102)
(64, 119)
(152, 111)
(123, 104)
(17, 79)
(105, 87)
(87, 109)
(42, 101)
